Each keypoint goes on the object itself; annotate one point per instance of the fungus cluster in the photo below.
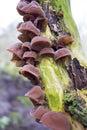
(27, 54)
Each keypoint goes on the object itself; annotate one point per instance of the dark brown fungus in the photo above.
(64, 40)
(41, 23)
(55, 121)
(32, 8)
(30, 57)
(23, 38)
(20, 7)
(17, 51)
(40, 42)
(30, 54)
(28, 17)
(38, 112)
(31, 72)
(20, 63)
(26, 46)
(15, 47)
(33, 2)
(36, 95)
(35, 10)
(61, 53)
(15, 58)
(47, 51)
(28, 29)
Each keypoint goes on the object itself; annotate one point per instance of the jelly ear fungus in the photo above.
(44, 38)
(34, 46)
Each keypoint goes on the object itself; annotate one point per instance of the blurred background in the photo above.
(14, 107)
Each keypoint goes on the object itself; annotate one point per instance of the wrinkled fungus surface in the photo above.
(55, 121)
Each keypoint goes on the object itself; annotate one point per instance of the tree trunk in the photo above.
(56, 76)
(51, 71)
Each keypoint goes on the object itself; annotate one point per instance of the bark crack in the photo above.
(78, 74)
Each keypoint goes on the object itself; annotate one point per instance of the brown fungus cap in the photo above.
(17, 51)
(26, 46)
(61, 53)
(30, 57)
(38, 112)
(36, 95)
(40, 42)
(15, 58)
(35, 9)
(47, 52)
(20, 63)
(28, 17)
(55, 121)
(15, 47)
(23, 38)
(64, 40)
(20, 7)
(28, 28)
(41, 23)
(31, 72)
(32, 8)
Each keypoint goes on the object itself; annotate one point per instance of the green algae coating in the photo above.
(51, 82)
